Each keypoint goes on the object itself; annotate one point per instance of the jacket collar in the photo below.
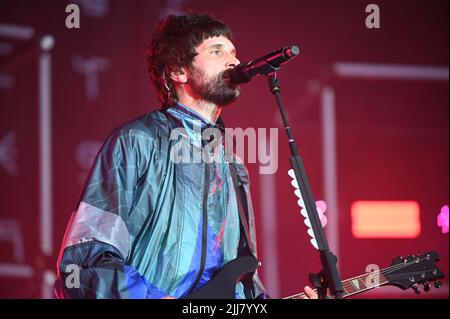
(194, 123)
(188, 116)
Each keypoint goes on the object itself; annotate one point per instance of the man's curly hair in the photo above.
(173, 46)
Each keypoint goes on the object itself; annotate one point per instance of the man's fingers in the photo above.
(311, 293)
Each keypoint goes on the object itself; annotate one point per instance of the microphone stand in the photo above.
(328, 277)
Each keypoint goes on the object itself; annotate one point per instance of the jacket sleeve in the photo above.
(92, 259)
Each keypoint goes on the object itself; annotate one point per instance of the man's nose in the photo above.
(233, 62)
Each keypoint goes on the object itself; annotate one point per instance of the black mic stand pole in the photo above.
(328, 278)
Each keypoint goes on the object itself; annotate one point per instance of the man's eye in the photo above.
(215, 52)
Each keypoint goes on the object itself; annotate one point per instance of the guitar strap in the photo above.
(238, 188)
(245, 244)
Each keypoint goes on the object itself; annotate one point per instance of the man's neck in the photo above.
(208, 110)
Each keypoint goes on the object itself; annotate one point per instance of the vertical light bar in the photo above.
(48, 281)
(45, 144)
(329, 160)
(269, 232)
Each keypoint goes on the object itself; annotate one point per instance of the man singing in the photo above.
(147, 226)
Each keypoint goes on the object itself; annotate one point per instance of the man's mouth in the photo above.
(226, 76)
(227, 80)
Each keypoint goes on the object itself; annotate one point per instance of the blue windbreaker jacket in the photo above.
(138, 228)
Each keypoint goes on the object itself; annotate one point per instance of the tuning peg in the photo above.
(416, 289)
(426, 287)
(437, 284)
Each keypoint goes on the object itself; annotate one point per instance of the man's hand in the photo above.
(310, 293)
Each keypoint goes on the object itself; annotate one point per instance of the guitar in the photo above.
(403, 273)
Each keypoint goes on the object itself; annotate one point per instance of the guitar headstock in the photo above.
(414, 270)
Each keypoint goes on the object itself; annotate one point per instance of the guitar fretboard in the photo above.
(356, 285)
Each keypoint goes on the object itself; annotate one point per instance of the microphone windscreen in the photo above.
(237, 75)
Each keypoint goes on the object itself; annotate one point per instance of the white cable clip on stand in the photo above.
(321, 207)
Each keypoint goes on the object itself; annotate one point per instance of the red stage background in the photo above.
(390, 137)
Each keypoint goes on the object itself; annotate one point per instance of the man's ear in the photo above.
(179, 74)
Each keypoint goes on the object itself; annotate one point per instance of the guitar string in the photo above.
(387, 270)
(383, 271)
(348, 284)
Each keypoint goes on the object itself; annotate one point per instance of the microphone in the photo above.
(271, 62)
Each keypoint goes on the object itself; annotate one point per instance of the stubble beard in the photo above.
(215, 90)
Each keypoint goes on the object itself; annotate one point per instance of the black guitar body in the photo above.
(223, 284)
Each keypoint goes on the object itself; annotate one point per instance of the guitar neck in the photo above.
(356, 285)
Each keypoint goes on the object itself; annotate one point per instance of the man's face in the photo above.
(215, 56)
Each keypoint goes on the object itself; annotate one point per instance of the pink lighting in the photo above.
(442, 219)
(385, 219)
